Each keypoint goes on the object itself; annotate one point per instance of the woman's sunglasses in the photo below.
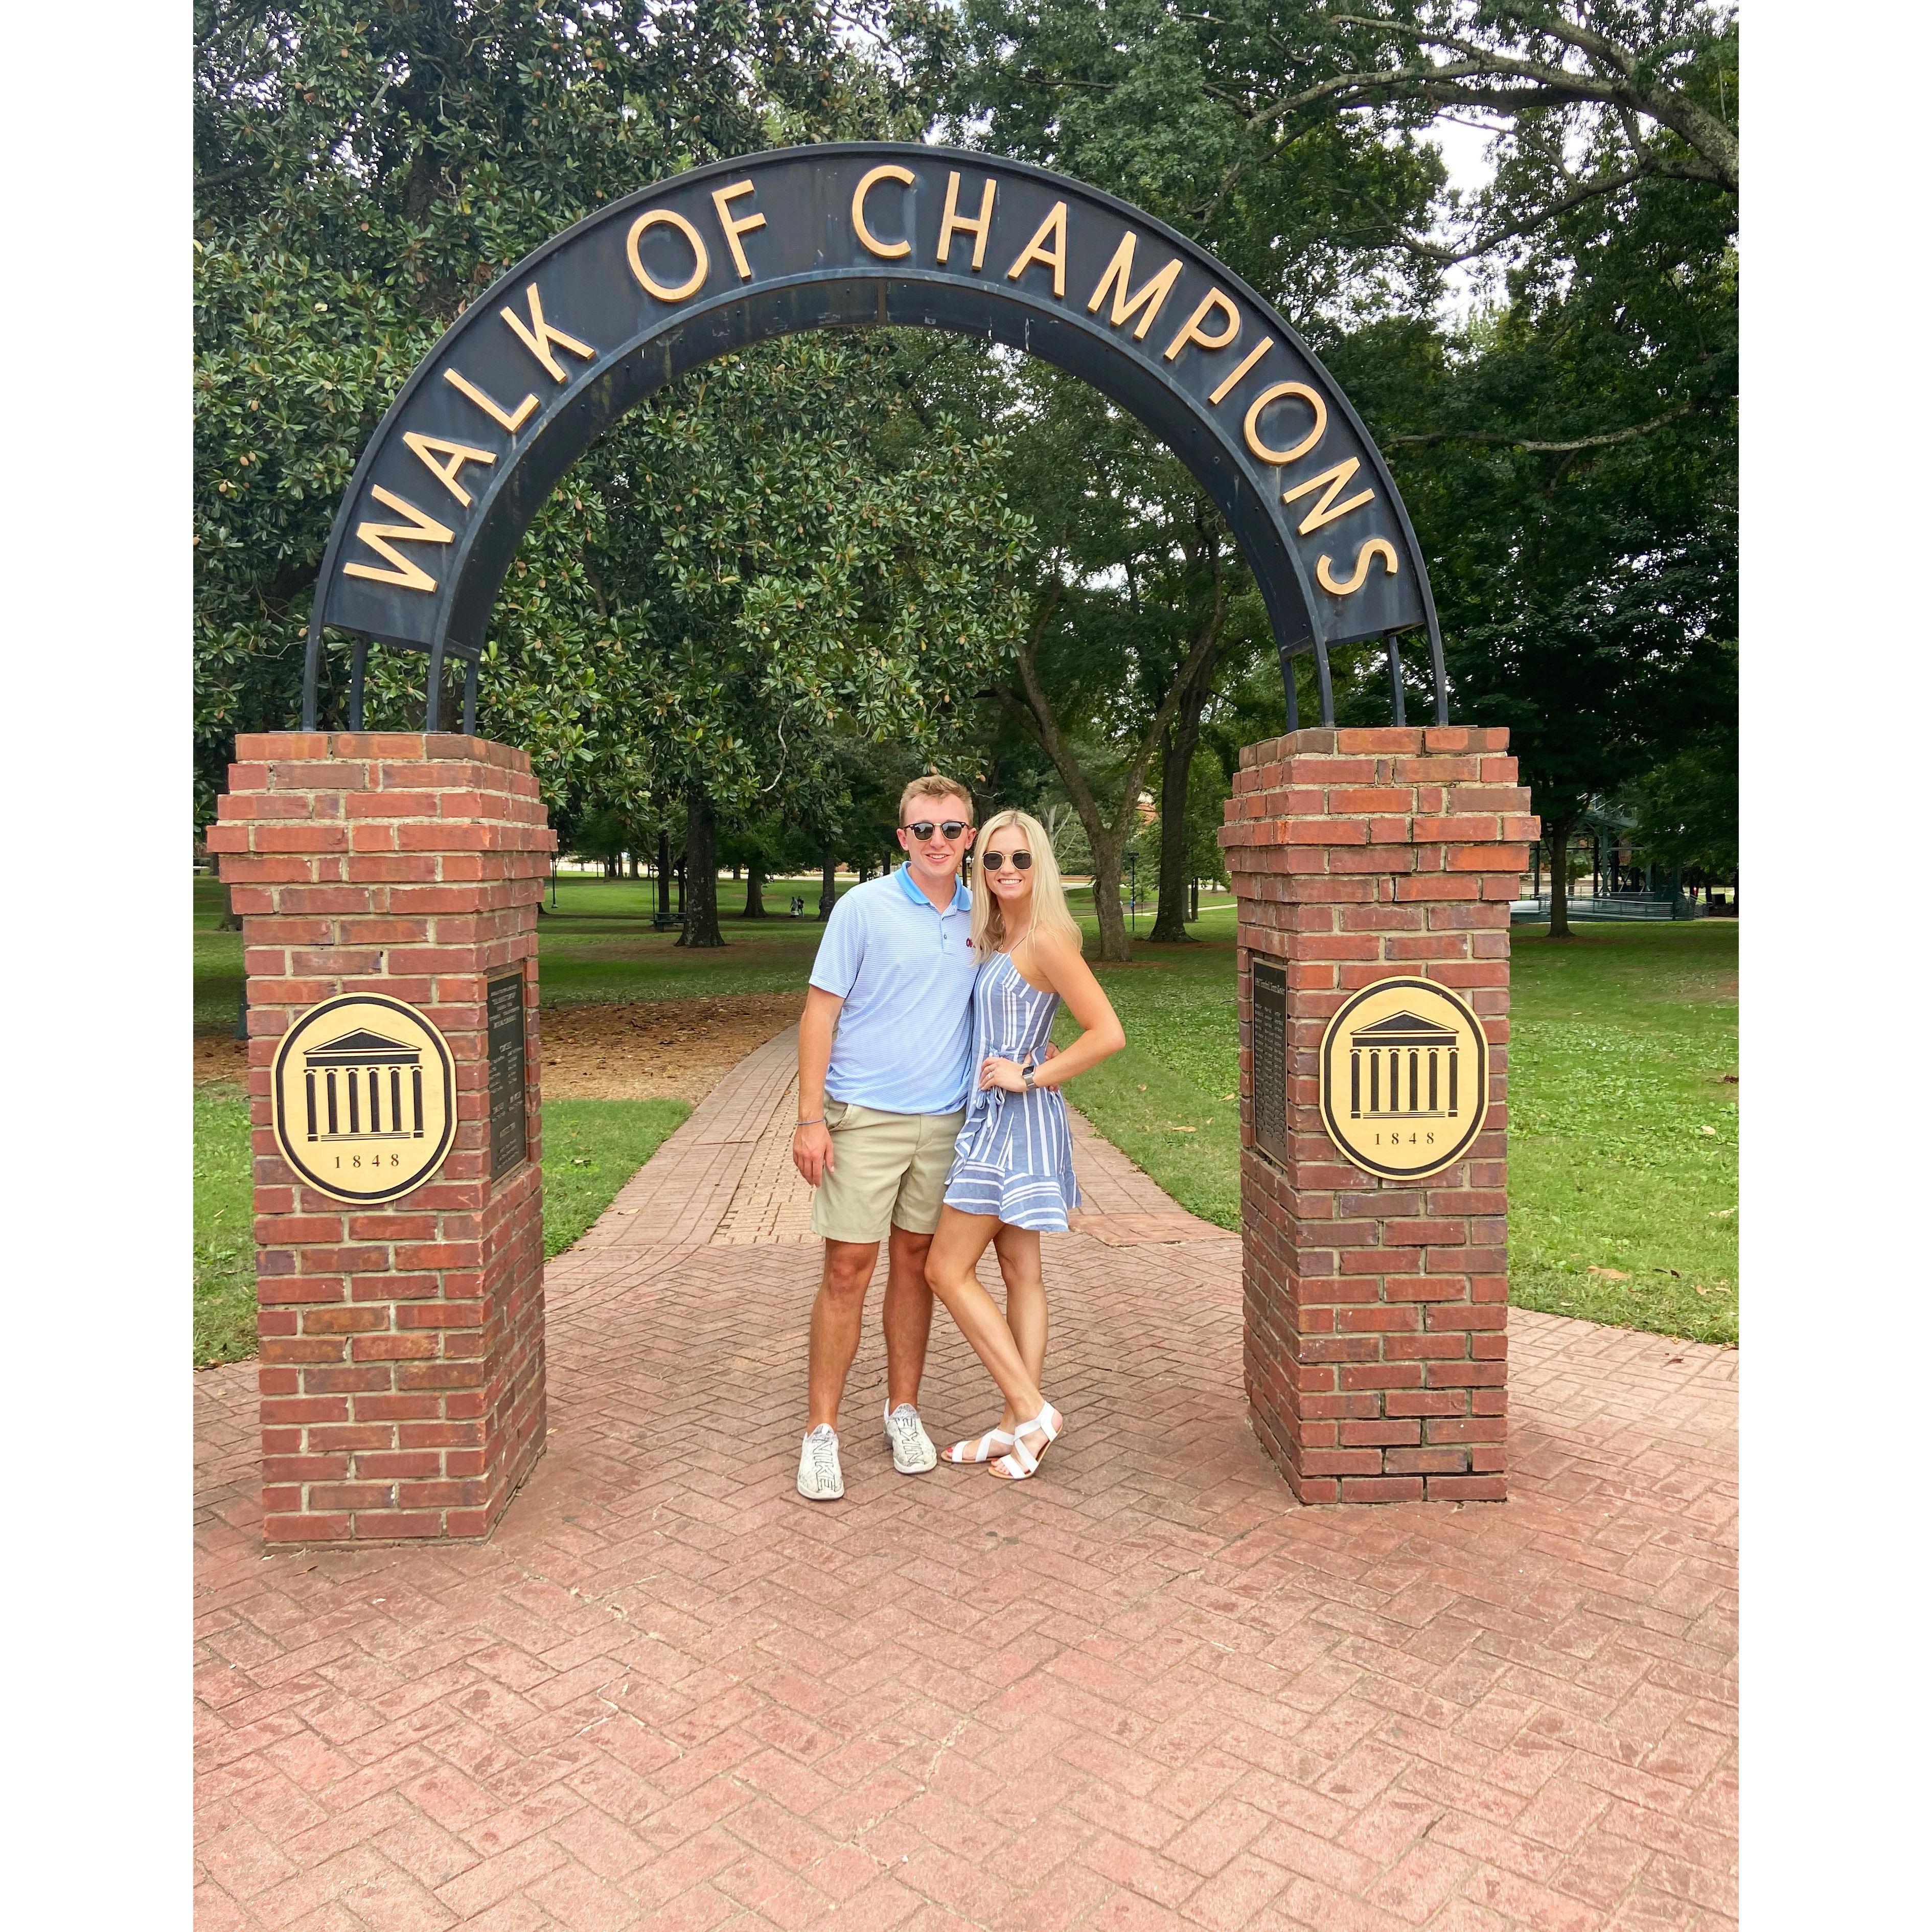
(993, 861)
(951, 827)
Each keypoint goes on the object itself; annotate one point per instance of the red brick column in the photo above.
(1375, 1309)
(402, 1357)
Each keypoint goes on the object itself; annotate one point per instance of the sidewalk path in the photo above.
(1145, 1690)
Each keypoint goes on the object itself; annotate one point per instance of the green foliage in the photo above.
(361, 173)
(1686, 811)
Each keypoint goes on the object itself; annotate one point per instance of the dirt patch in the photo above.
(650, 1050)
(656, 1049)
(219, 1057)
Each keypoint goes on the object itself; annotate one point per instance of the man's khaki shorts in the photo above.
(889, 1171)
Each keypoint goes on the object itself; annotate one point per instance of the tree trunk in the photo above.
(1559, 878)
(1034, 711)
(664, 877)
(231, 919)
(632, 857)
(1176, 765)
(701, 873)
(1108, 845)
(828, 886)
(755, 890)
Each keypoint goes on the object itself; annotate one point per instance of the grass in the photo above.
(1623, 1123)
(591, 1148)
(1623, 1208)
(224, 1233)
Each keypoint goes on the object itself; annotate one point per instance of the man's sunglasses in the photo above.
(952, 827)
(993, 861)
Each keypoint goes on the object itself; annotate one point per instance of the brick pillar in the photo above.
(402, 1348)
(1374, 1310)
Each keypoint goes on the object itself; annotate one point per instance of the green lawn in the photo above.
(591, 1147)
(1623, 1177)
(1624, 1125)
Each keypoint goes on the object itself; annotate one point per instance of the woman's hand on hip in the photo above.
(1004, 1074)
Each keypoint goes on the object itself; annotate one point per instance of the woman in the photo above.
(1013, 1167)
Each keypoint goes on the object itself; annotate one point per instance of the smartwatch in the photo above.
(1026, 1076)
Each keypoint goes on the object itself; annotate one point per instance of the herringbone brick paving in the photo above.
(1145, 1690)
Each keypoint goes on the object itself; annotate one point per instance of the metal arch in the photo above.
(822, 277)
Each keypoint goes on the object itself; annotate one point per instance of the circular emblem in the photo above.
(364, 1097)
(1405, 1078)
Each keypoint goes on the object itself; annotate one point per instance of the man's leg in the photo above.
(908, 1316)
(837, 1317)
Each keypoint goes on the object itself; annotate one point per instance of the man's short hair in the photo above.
(935, 784)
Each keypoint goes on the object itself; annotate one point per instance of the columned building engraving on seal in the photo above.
(1404, 1068)
(363, 1086)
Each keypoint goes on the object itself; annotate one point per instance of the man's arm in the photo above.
(812, 1146)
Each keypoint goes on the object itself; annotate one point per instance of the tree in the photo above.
(777, 551)
(362, 172)
(1568, 453)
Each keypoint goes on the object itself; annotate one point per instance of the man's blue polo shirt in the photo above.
(905, 970)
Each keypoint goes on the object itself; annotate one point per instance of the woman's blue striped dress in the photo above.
(1014, 1157)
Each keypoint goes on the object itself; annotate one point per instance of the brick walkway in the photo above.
(1145, 1690)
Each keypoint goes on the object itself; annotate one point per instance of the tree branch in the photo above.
(1602, 441)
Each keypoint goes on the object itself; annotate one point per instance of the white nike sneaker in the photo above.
(820, 1477)
(913, 1452)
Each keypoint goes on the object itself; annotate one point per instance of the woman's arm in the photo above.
(1058, 962)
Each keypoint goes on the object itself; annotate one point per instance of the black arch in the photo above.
(809, 268)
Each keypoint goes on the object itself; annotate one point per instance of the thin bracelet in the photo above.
(818, 1123)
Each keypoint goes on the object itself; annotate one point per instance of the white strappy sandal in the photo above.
(979, 1448)
(1024, 1462)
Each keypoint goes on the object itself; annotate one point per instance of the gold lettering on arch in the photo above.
(886, 251)
(1252, 429)
(1151, 294)
(736, 225)
(1375, 547)
(488, 404)
(427, 448)
(667, 217)
(1189, 331)
(1326, 509)
(977, 228)
(1241, 368)
(1035, 251)
(536, 335)
(382, 538)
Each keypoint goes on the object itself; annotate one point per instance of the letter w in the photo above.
(381, 538)
(1153, 292)
(1326, 509)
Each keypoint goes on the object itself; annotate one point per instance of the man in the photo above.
(882, 1049)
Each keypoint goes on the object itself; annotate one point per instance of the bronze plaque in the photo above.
(364, 1097)
(1268, 1042)
(508, 1124)
(1405, 1078)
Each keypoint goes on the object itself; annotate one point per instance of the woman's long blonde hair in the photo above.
(1049, 912)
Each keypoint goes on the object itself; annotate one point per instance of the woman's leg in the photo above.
(1018, 1252)
(950, 1265)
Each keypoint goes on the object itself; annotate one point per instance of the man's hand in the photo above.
(811, 1152)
